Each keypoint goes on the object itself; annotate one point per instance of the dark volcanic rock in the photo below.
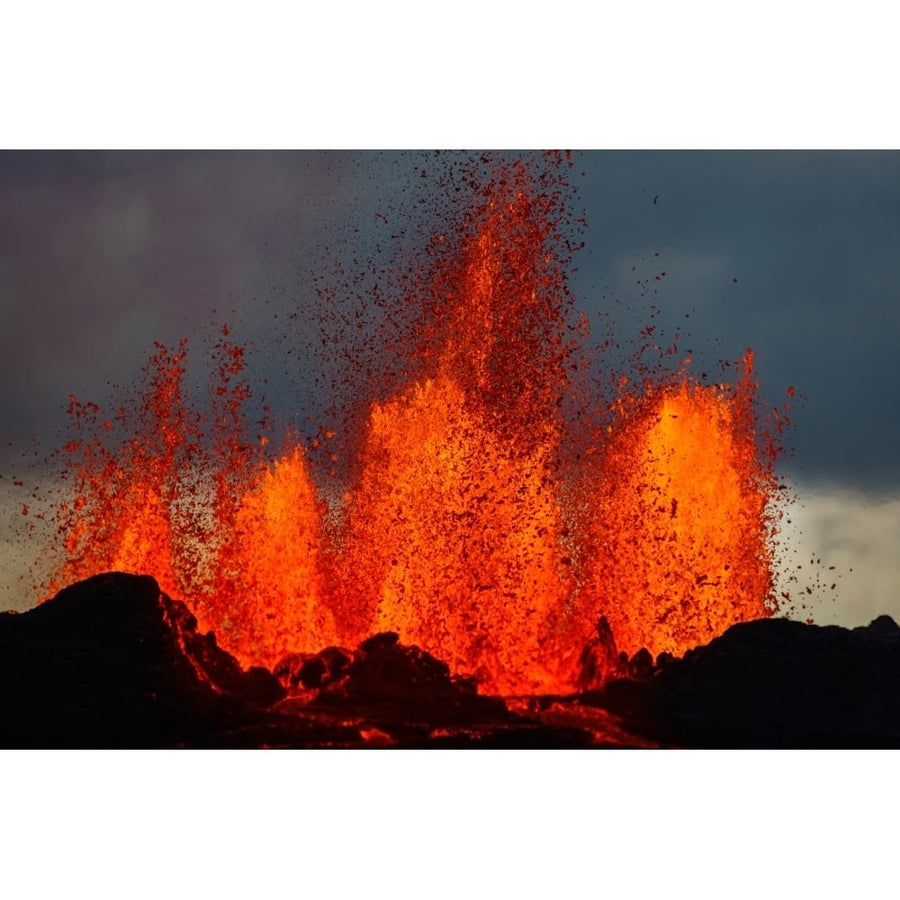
(113, 662)
(256, 686)
(772, 683)
(407, 692)
(640, 666)
(287, 670)
(313, 670)
(326, 667)
(600, 659)
(382, 640)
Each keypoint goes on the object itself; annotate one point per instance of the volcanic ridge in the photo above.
(113, 662)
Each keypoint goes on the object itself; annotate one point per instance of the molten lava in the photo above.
(679, 533)
(490, 516)
(453, 539)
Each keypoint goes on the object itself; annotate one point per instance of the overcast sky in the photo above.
(103, 253)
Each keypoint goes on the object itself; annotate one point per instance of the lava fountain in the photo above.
(497, 503)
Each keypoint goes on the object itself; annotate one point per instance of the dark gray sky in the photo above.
(813, 239)
(102, 253)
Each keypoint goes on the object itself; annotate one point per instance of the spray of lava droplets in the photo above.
(497, 501)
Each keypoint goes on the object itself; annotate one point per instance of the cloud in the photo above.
(26, 560)
(857, 534)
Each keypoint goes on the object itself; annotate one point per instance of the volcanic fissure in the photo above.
(504, 490)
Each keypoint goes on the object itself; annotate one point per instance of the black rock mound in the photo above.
(114, 662)
(397, 695)
(408, 692)
(771, 683)
(299, 671)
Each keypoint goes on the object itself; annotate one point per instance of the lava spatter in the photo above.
(677, 522)
(486, 509)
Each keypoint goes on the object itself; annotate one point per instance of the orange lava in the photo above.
(679, 533)
(469, 524)
(272, 572)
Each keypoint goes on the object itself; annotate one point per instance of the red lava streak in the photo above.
(491, 514)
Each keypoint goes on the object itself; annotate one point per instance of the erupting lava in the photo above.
(491, 513)
(679, 551)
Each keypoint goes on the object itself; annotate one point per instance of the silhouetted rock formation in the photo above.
(312, 670)
(640, 666)
(113, 662)
(408, 692)
(256, 686)
(601, 661)
(772, 683)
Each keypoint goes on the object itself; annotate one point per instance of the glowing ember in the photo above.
(490, 515)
